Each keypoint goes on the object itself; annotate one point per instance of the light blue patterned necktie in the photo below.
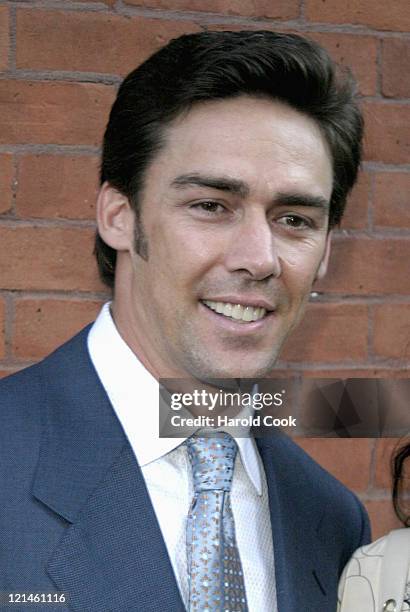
(214, 567)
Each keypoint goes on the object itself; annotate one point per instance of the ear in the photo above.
(322, 269)
(115, 218)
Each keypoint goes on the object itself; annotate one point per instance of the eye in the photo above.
(209, 207)
(295, 222)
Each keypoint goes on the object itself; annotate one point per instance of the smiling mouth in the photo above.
(237, 312)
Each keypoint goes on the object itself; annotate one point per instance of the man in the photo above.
(227, 160)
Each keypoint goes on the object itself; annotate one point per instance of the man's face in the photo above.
(235, 214)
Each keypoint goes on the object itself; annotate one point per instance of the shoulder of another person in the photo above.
(375, 572)
(395, 541)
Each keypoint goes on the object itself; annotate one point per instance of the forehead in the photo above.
(260, 141)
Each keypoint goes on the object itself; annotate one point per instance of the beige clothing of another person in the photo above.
(377, 577)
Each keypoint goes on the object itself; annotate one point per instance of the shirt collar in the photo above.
(134, 395)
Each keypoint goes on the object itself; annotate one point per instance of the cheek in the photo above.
(303, 256)
(299, 268)
(182, 255)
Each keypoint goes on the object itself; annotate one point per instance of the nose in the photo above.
(253, 248)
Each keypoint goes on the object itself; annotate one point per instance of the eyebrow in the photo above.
(238, 187)
(222, 183)
(302, 199)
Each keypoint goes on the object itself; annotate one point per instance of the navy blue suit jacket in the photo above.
(75, 514)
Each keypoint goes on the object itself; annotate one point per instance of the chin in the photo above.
(204, 365)
(208, 372)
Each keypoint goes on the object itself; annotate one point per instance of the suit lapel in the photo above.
(112, 555)
(301, 559)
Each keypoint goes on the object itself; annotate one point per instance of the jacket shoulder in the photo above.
(23, 394)
(20, 401)
(343, 514)
(297, 465)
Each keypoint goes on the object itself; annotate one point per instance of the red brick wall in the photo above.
(60, 69)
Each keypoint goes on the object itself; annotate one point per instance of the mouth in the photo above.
(240, 313)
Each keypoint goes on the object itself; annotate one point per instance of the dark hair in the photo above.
(397, 468)
(216, 65)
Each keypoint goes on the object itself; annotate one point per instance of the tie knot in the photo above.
(212, 460)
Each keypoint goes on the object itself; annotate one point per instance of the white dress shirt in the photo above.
(134, 393)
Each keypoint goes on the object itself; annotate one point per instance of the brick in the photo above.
(365, 266)
(251, 26)
(117, 45)
(45, 258)
(57, 186)
(391, 200)
(359, 53)
(53, 112)
(2, 329)
(347, 459)
(387, 133)
(278, 372)
(395, 78)
(355, 216)
(385, 449)
(377, 14)
(4, 37)
(391, 329)
(280, 9)
(344, 373)
(322, 334)
(382, 517)
(6, 182)
(107, 2)
(42, 325)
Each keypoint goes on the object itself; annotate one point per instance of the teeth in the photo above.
(248, 313)
(227, 309)
(236, 311)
